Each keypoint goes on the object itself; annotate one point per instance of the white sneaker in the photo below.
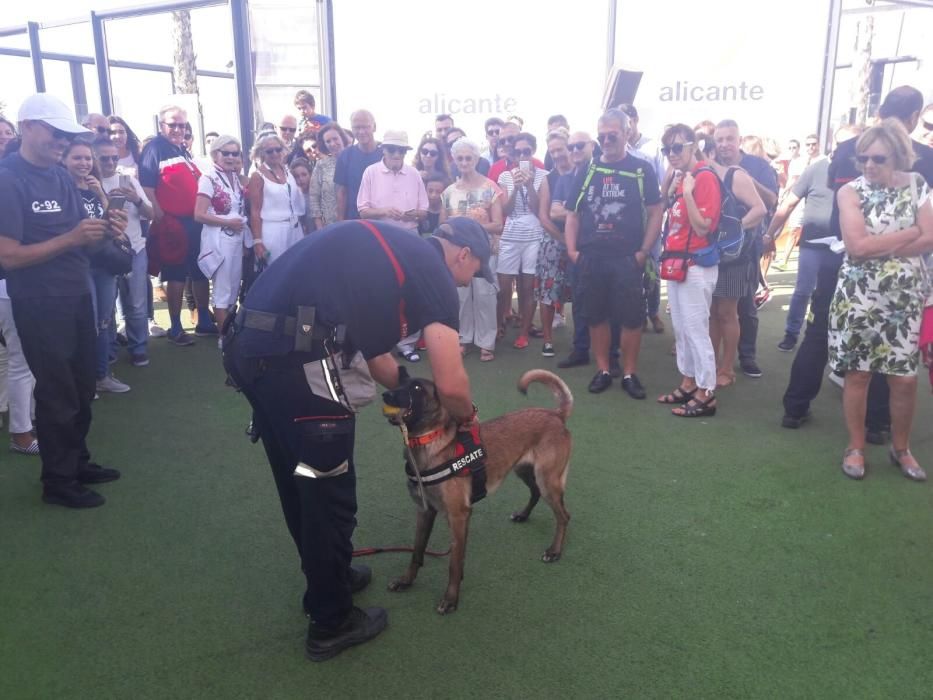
(156, 331)
(559, 321)
(112, 384)
(839, 381)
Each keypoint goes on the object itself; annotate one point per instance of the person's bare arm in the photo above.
(767, 196)
(15, 255)
(557, 212)
(652, 228)
(255, 190)
(571, 228)
(509, 203)
(341, 192)
(923, 244)
(450, 377)
(384, 370)
(496, 218)
(783, 212)
(544, 212)
(861, 244)
(156, 209)
(743, 185)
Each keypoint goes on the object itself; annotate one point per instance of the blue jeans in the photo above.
(134, 300)
(103, 294)
(808, 267)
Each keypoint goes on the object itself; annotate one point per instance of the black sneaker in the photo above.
(96, 474)
(600, 382)
(615, 369)
(547, 350)
(793, 422)
(574, 359)
(359, 627)
(788, 344)
(633, 387)
(751, 369)
(72, 496)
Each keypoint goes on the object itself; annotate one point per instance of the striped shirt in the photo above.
(522, 224)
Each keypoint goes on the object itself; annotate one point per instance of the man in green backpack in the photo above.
(613, 219)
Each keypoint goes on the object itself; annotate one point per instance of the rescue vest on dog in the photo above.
(469, 460)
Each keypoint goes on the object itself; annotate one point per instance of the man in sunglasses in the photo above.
(507, 135)
(44, 236)
(288, 127)
(614, 215)
(99, 127)
(905, 104)
(492, 127)
(170, 177)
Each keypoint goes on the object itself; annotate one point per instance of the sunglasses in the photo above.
(578, 146)
(611, 137)
(58, 133)
(813, 144)
(675, 148)
(524, 152)
(230, 154)
(273, 151)
(506, 140)
(495, 132)
(289, 129)
(109, 159)
(877, 160)
(394, 150)
(173, 127)
(102, 129)
(429, 153)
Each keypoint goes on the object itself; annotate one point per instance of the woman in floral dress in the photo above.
(886, 217)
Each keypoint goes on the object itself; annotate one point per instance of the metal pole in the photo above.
(611, 40)
(243, 71)
(102, 62)
(78, 90)
(829, 71)
(35, 53)
(326, 43)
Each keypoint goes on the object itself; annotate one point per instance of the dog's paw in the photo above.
(399, 585)
(446, 606)
(549, 557)
(519, 517)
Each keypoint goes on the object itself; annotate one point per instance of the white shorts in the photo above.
(518, 257)
(225, 284)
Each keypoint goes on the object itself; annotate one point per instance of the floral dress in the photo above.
(551, 280)
(874, 319)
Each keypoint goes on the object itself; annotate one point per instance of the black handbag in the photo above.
(114, 256)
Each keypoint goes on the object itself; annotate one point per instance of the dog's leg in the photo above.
(552, 488)
(423, 527)
(458, 520)
(526, 472)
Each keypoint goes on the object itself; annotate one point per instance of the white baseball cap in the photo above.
(43, 107)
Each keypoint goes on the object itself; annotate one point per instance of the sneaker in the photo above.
(547, 350)
(72, 496)
(536, 332)
(156, 331)
(180, 338)
(521, 342)
(792, 422)
(600, 382)
(96, 474)
(112, 384)
(615, 369)
(206, 331)
(574, 359)
(359, 627)
(789, 343)
(559, 321)
(411, 356)
(633, 387)
(751, 369)
(762, 297)
(837, 379)
(139, 359)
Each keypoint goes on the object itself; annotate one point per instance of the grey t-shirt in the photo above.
(813, 185)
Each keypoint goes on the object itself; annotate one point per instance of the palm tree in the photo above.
(185, 72)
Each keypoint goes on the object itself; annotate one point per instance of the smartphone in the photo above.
(117, 201)
(524, 166)
(125, 182)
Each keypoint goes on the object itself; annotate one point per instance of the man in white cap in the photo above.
(44, 231)
(393, 192)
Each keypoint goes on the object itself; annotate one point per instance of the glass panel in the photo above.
(74, 39)
(142, 39)
(91, 88)
(15, 41)
(138, 95)
(18, 84)
(58, 82)
(218, 104)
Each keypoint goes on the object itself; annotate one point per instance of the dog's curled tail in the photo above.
(557, 386)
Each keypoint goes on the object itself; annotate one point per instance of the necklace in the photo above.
(280, 179)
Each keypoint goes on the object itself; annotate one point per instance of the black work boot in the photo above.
(359, 627)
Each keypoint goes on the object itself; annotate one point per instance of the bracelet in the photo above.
(257, 240)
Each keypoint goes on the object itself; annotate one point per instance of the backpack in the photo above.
(729, 241)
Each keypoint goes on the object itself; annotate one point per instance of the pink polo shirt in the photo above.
(404, 190)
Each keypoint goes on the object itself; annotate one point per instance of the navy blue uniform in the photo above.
(347, 276)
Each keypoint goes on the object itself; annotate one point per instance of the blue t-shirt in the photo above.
(761, 170)
(349, 173)
(36, 205)
(345, 274)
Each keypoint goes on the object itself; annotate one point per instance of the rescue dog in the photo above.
(532, 442)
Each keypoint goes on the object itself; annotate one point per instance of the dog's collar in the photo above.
(425, 438)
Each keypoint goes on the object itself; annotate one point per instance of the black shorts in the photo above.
(189, 267)
(611, 288)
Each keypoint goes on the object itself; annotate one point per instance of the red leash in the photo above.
(367, 551)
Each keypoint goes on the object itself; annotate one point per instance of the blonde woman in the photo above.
(276, 202)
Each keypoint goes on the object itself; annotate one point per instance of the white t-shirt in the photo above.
(133, 228)
(522, 224)
(127, 166)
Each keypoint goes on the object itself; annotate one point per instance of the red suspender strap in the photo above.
(399, 275)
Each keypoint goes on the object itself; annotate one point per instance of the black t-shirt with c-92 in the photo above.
(610, 206)
(36, 205)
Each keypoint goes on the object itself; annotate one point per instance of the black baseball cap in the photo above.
(467, 233)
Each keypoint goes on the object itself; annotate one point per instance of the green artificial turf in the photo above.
(715, 558)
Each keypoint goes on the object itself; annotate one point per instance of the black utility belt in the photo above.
(309, 335)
